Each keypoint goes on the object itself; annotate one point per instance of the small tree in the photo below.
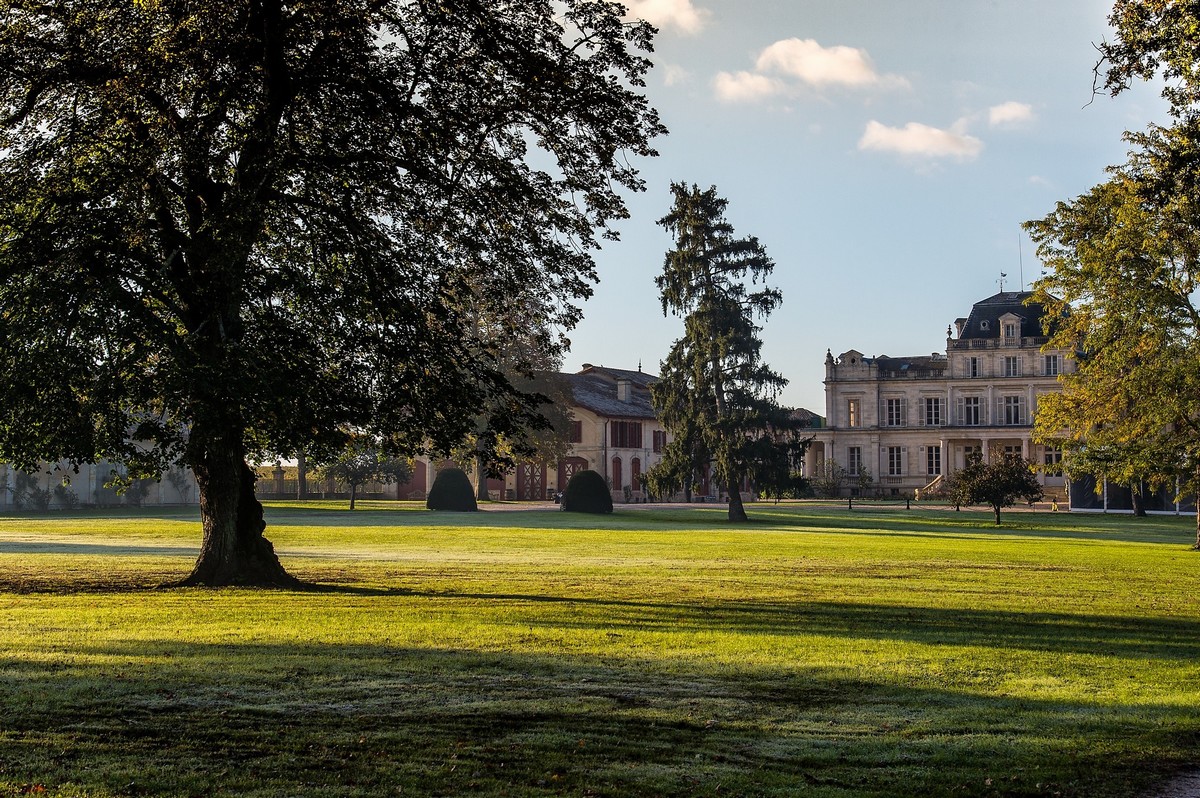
(828, 480)
(363, 461)
(865, 480)
(1001, 482)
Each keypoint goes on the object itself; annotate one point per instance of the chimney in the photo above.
(959, 324)
(624, 390)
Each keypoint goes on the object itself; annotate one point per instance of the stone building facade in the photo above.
(908, 421)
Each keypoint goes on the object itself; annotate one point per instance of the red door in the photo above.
(569, 467)
(531, 482)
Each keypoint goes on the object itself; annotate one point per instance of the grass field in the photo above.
(815, 652)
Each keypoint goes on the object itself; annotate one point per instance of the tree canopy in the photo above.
(716, 396)
(998, 483)
(247, 226)
(1122, 274)
(363, 461)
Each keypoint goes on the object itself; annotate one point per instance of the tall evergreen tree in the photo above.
(231, 227)
(716, 396)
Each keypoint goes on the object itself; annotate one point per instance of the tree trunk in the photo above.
(234, 551)
(481, 489)
(301, 477)
(353, 494)
(996, 507)
(737, 512)
(1139, 508)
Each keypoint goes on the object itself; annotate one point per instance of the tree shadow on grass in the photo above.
(167, 717)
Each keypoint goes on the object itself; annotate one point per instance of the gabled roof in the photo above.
(595, 389)
(984, 321)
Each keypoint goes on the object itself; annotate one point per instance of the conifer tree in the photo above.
(717, 397)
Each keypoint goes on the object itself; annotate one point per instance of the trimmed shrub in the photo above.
(452, 491)
(587, 492)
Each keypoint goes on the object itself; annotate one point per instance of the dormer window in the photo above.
(1010, 329)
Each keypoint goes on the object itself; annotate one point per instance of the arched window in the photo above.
(635, 473)
(616, 474)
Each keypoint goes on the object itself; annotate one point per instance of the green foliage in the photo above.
(1124, 271)
(997, 483)
(232, 229)
(28, 494)
(364, 461)
(827, 482)
(587, 492)
(716, 397)
(452, 491)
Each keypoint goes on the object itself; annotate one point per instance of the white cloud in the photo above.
(744, 86)
(1010, 114)
(819, 66)
(921, 141)
(673, 75)
(679, 14)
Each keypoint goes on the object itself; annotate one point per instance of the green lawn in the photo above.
(815, 652)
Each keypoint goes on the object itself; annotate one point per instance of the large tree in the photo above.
(240, 226)
(717, 397)
(1120, 290)
(1124, 269)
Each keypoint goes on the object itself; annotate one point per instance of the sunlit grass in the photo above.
(815, 651)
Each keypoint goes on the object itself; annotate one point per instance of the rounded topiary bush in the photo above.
(452, 490)
(587, 492)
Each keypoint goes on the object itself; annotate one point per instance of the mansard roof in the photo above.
(984, 321)
(595, 389)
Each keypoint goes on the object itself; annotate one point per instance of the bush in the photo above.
(452, 491)
(587, 492)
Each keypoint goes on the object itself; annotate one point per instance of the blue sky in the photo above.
(884, 152)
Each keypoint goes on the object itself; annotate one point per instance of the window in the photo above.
(635, 473)
(626, 435)
(1014, 451)
(972, 454)
(1012, 366)
(974, 367)
(1053, 461)
(895, 461)
(897, 412)
(934, 415)
(933, 460)
(1051, 365)
(1010, 329)
(1013, 410)
(854, 460)
(576, 433)
(853, 417)
(968, 411)
(660, 440)
(616, 473)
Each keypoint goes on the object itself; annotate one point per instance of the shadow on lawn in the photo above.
(1065, 633)
(166, 717)
(866, 519)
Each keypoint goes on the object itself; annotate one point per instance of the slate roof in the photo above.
(984, 321)
(595, 389)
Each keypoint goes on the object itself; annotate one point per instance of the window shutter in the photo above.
(904, 411)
